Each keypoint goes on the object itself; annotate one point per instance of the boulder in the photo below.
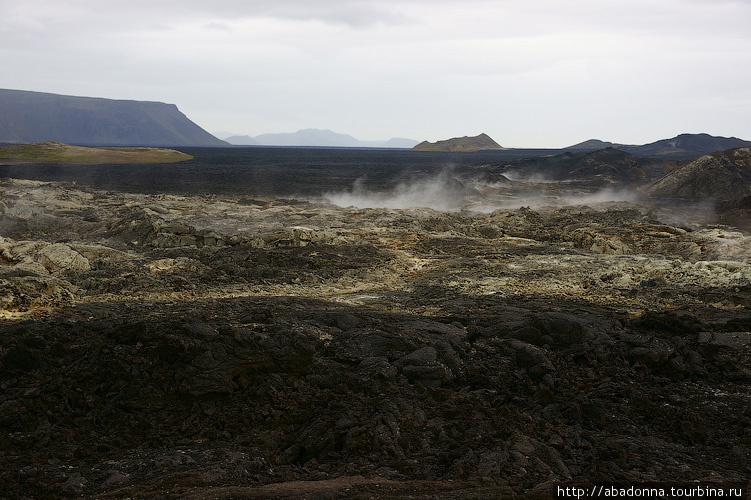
(60, 259)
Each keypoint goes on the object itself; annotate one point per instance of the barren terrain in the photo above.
(166, 346)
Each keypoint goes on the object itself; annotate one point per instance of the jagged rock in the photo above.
(180, 264)
(170, 240)
(376, 368)
(609, 246)
(424, 366)
(530, 357)
(558, 329)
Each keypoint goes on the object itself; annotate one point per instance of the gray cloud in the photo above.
(350, 12)
(538, 72)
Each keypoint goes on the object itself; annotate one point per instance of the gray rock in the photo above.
(60, 259)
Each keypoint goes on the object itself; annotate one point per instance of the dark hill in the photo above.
(606, 166)
(721, 175)
(696, 144)
(684, 146)
(592, 144)
(42, 117)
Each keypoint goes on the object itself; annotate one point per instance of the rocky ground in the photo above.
(161, 346)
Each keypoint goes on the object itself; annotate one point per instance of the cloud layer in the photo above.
(533, 73)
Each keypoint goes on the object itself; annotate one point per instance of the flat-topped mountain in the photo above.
(41, 117)
(720, 175)
(476, 143)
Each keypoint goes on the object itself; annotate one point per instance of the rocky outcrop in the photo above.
(57, 258)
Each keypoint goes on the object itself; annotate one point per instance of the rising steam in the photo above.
(443, 193)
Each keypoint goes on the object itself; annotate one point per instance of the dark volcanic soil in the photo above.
(160, 346)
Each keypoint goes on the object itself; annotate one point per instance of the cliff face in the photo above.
(477, 143)
(41, 117)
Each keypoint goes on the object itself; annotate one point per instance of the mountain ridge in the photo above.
(307, 137)
(681, 145)
(241, 140)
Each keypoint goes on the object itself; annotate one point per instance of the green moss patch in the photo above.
(55, 152)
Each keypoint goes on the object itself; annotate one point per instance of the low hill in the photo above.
(477, 143)
(721, 175)
(41, 117)
(55, 152)
(592, 144)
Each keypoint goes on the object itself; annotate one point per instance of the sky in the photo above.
(529, 73)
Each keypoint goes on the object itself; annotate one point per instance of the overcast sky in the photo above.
(530, 73)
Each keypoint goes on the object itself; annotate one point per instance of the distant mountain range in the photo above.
(460, 144)
(241, 140)
(683, 146)
(27, 117)
(686, 145)
(313, 137)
